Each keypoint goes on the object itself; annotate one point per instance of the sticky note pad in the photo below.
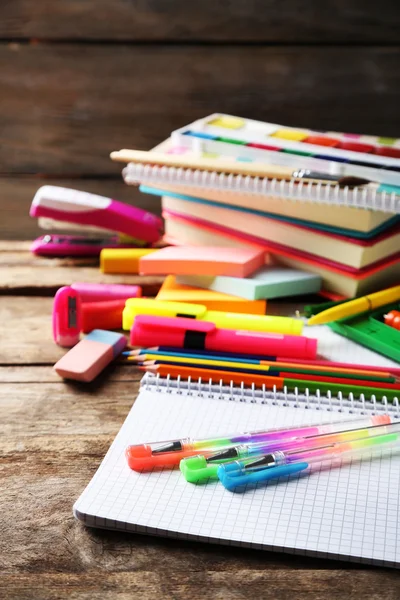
(91, 355)
(122, 260)
(267, 282)
(172, 291)
(202, 260)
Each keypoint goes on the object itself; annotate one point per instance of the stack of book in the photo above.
(327, 203)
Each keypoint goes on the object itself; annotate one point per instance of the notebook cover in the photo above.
(286, 251)
(391, 227)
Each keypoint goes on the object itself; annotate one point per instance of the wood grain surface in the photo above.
(22, 272)
(125, 74)
(202, 20)
(65, 107)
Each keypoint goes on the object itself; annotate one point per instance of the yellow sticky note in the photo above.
(290, 134)
(227, 122)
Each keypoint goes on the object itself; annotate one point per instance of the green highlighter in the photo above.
(370, 330)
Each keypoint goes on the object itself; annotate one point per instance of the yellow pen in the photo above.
(354, 307)
(225, 320)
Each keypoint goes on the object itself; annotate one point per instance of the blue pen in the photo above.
(232, 483)
(275, 464)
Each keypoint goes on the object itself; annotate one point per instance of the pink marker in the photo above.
(95, 212)
(149, 330)
(101, 292)
(88, 358)
(67, 317)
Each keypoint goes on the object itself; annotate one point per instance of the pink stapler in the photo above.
(105, 222)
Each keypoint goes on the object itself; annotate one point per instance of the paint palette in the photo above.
(373, 158)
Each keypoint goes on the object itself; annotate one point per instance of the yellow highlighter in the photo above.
(225, 320)
(357, 306)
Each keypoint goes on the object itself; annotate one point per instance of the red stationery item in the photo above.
(102, 315)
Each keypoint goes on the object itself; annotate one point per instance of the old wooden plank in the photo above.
(63, 107)
(16, 195)
(53, 438)
(22, 272)
(233, 20)
(200, 583)
(33, 373)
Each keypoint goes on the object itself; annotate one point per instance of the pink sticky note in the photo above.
(190, 260)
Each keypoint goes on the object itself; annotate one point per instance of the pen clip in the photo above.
(231, 482)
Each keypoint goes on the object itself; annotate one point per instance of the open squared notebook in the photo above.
(352, 512)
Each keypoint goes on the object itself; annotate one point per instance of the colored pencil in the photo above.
(298, 361)
(226, 377)
(284, 365)
(271, 370)
(283, 374)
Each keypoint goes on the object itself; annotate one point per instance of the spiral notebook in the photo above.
(350, 513)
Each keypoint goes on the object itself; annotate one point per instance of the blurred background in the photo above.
(80, 78)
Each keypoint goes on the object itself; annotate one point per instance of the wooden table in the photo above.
(54, 435)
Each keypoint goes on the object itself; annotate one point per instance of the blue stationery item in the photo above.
(285, 219)
(239, 481)
(266, 283)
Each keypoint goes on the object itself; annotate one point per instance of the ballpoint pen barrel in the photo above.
(234, 476)
(329, 454)
(200, 467)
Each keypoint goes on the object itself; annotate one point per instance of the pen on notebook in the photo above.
(357, 306)
(142, 457)
(279, 464)
(199, 468)
(274, 368)
(253, 169)
(226, 377)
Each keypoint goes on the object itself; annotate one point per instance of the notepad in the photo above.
(349, 513)
(269, 282)
(206, 261)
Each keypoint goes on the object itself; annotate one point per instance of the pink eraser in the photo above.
(202, 260)
(102, 292)
(67, 317)
(88, 358)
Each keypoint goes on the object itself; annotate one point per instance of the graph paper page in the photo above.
(349, 512)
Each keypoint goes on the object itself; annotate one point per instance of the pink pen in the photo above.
(149, 330)
(97, 212)
(101, 292)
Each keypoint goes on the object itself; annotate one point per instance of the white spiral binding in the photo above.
(233, 393)
(305, 191)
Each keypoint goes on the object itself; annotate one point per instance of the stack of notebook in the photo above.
(327, 203)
